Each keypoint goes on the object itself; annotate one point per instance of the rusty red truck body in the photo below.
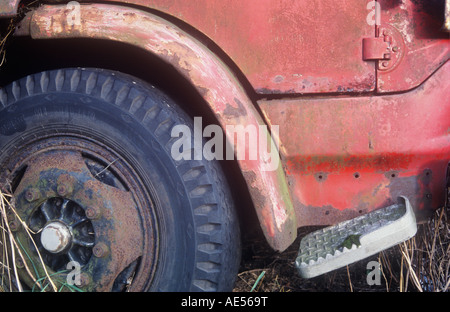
(358, 92)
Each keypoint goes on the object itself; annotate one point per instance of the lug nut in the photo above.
(14, 225)
(84, 280)
(64, 190)
(100, 250)
(32, 194)
(92, 213)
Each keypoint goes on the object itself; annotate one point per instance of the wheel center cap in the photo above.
(55, 237)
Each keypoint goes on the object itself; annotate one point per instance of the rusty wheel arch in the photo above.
(48, 51)
(276, 214)
(47, 59)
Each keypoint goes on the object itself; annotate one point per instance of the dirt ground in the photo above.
(277, 273)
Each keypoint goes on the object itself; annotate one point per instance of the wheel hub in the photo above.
(63, 232)
(56, 237)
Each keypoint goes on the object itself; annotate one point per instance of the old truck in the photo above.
(139, 137)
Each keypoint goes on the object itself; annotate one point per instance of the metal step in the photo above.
(353, 240)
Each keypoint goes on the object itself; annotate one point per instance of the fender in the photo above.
(206, 72)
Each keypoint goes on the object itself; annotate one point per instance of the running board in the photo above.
(350, 241)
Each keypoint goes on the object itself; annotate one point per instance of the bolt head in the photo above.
(32, 194)
(92, 213)
(100, 250)
(84, 280)
(14, 225)
(63, 190)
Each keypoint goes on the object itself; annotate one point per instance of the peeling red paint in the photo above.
(342, 163)
(315, 47)
(311, 54)
(351, 155)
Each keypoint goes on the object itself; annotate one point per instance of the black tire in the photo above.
(195, 232)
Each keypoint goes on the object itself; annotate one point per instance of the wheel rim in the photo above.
(63, 232)
(84, 204)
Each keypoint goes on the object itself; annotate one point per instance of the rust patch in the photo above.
(237, 112)
(339, 163)
(259, 201)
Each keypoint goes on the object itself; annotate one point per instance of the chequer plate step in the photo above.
(337, 246)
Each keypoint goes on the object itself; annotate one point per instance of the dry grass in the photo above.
(426, 257)
(12, 252)
(419, 264)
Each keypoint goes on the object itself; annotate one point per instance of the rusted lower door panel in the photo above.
(285, 46)
(346, 156)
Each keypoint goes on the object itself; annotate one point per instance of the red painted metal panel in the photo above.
(286, 46)
(293, 46)
(345, 156)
